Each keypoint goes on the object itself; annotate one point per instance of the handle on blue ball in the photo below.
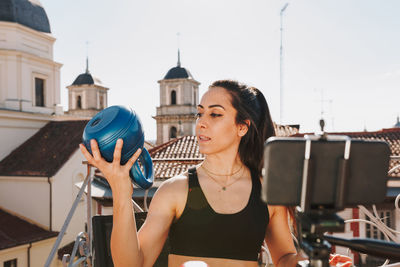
(145, 180)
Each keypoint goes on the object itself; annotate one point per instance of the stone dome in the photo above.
(178, 73)
(29, 13)
(86, 78)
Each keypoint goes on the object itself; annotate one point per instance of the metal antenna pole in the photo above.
(323, 101)
(281, 64)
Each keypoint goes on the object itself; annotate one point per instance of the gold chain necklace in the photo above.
(223, 187)
(217, 174)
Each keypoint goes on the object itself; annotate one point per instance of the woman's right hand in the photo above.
(116, 174)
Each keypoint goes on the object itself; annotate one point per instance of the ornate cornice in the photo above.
(175, 118)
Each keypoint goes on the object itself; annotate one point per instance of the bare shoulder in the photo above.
(174, 191)
(175, 184)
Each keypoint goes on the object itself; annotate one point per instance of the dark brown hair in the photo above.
(251, 106)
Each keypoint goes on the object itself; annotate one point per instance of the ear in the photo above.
(243, 128)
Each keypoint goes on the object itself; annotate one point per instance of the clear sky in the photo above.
(346, 51)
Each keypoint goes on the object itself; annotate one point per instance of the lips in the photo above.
(203, 138)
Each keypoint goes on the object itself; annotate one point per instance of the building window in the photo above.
(79, 102)
(39, 92)
(386, 216)
(10, 263)
(172, 132)
(101, 100)
(173, 97)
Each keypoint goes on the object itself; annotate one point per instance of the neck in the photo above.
(223, 165)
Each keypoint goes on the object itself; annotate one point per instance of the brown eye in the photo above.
(214, 115)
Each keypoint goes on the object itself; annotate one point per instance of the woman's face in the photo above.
(216, 127)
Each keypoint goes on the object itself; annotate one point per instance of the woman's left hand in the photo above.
(340, 260)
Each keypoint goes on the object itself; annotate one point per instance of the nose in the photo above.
(201, 122)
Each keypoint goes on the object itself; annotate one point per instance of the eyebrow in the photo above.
(212, 106)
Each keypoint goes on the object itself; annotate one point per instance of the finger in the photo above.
(95, 149)
(117, 151)
(133, 159)
(85, 153)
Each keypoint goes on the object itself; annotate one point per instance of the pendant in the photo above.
(224, 188)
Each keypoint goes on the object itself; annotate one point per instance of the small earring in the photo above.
(242, 132)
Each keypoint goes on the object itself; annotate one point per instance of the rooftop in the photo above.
(29, 13)
(390, 135)
(178, 73)
(175, 157)
(45, 152)
(15, 231)
(86, 78)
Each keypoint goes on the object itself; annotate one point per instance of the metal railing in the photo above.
(84, 239)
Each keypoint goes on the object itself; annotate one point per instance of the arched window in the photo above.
(79, 102)
(172, 132)
(173, 97)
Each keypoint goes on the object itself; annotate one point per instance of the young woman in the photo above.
(214, 212)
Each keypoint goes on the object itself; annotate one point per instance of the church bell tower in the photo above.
(179, 97)
(86, 95)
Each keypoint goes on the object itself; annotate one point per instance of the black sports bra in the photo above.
(201, 232)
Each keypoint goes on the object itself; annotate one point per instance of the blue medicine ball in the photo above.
(117, 122)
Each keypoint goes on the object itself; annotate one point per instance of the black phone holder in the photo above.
(314, 215)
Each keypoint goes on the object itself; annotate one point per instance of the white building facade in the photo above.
(29, 77)
(29, 100)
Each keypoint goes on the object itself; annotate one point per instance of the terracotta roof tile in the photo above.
(286, 130)
(391, 136)
(175, 157)
(181, 148)
(15, 231)
(45, 152)
(167, 169)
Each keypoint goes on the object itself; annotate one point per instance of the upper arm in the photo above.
(278, 235)
(162, 211)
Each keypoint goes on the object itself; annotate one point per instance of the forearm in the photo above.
(125, 248)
